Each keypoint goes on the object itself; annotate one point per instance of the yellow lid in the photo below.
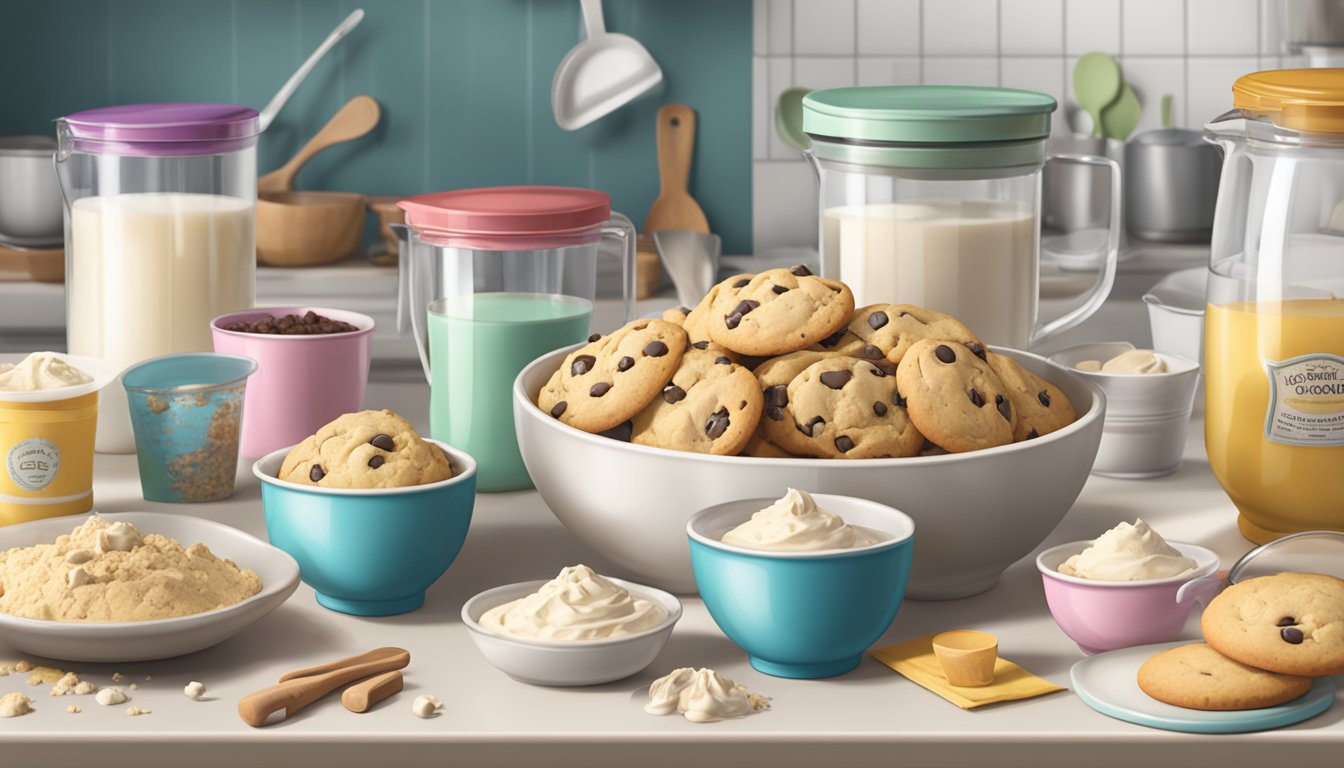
(1300, 99)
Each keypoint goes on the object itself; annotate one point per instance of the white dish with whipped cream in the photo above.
(1149, 399)
(580, 628)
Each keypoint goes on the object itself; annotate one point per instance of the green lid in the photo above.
(927, 114)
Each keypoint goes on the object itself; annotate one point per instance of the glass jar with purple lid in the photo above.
(160, 213)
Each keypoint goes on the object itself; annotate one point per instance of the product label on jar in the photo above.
(1306, 401)
(33, 463)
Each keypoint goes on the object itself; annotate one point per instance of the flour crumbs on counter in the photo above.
(70, 684)
(15, 705)
(73, 709)
(193, 690)
(426, 706)
(110, 697)
(136, 711)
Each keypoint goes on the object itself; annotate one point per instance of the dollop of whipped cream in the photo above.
(1133, 361)
(795, 523)
(1129, 553)
(40, 371)
(702, 695)
(577, 605)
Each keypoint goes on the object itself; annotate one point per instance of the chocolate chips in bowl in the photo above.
(307, 324)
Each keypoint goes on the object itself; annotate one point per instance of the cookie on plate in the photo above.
(1198, 677)
(368, 449)
(696, 323)
(893, 328)
(676, 315)
(608, 381)
(778, 311)
(712, 405)
(954, 397)
(842, 408)
(1290, 623)
(774, 376)
(845, 342)
(1040, 406)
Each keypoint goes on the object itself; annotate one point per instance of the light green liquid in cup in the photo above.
(477, 346)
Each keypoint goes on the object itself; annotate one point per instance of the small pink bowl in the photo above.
(1105, 615)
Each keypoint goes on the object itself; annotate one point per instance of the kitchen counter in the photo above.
(871, 716)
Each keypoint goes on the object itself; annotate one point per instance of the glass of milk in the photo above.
(160, 211)
(930, 195)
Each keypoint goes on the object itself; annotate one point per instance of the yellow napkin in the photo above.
(914, 659)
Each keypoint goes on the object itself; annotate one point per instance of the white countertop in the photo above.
(869, 716)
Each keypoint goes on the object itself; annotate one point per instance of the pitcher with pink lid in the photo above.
(494, 278)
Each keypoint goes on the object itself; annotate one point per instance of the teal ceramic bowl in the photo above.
(370, 552)
(803, 614)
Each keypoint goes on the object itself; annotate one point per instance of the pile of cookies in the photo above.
(1264, 641)
(780, 364)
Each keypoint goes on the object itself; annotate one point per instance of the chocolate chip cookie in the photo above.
(778, 311)
(697, 320)
(1290, 623)
(608, 381)
(1040, 406)
(893, 328)
(760, 447)
(1198, 677)
(712, 405)
(369, 449)
(846, 342)
(842, 408)
(954, 397)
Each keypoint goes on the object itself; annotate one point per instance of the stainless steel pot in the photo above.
(1171, 186)
(1074, 196)
(30, 198)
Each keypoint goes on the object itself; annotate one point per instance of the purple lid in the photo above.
(151, 130)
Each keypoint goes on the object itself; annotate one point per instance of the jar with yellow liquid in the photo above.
(1274, 328)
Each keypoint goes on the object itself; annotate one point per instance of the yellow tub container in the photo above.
(46, 447)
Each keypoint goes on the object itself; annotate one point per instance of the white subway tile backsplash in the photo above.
(961, 27)
(888, 27)
(888, 70)
(823, 27)
(1210, 86)
(817, 72)
(1092, 25)
(779, 27)
(1152, 77)
(962, 71)
(1031, 27)
(760, 27)
(1038, 74)
(1222, 27)
(762, 111)
(783, 205)
(1153, 28)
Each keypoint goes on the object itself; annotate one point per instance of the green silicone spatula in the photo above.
(1096, 84)
(1120, 119)
(789, 117)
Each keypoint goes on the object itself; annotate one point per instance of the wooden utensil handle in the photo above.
(362, 697)
(676, 146)
(295, 694)
(377, 654)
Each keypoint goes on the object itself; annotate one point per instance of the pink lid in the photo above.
(504, 218)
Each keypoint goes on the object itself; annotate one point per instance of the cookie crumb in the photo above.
(108, 697)
(117, 677)
(15, 705)
(23, 666)
(45, 675)
(426, 706)
(72, 709)
(136, 711)
(66, 685)
(135, 686)
(194, 690)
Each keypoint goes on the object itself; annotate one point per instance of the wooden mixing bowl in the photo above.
(305, 229)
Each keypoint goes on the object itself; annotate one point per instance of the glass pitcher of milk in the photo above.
(930, 195)
(160, 212)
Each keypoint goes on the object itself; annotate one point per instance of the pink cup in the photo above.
(1105, 615)
(302, 381)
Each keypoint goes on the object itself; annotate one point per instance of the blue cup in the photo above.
(187, 413)
(803, 614)
(370, 552)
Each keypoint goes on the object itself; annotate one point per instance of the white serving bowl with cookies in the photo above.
(127, 641)
(976, 512)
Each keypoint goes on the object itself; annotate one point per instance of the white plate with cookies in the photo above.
(102, 640)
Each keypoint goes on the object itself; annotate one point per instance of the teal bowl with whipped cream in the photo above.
(797, 610)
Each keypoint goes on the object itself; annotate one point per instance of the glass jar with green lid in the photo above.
(930, 195)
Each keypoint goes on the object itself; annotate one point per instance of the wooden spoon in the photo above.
(361, 697)
(358, 117)
(675, 208)
(377, 654)
(296, 693)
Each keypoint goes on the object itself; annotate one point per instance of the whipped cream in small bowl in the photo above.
(804, 583)
(580, 628)
(1127, 587)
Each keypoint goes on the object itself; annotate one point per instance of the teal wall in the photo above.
(464, 85)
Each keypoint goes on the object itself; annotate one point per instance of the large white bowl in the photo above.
(976, 513)
(164, 638)
(568, 664)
